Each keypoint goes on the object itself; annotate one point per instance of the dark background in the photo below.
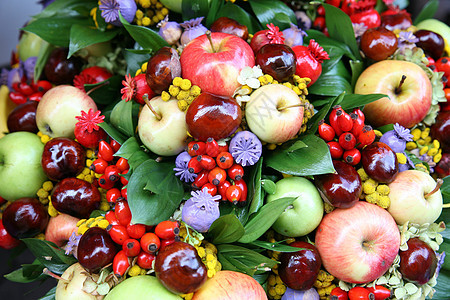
(12, 291)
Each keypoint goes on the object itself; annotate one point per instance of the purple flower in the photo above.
(359, 29)
(192, 29)
(181, 167)
(4, 76)
(72, 244)
(14, 75)
(110, 10)
(28, 67)
(406, 40)
(293, 36)
(396, 139)
(440, 262)
(246, 148)
(303, 21)
(201, 210)
(169, 31)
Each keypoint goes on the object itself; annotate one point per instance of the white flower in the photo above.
(249, 76)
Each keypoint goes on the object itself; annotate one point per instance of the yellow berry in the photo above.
(420, 142)
(437, 157)
(362, 174)
(383, 189)
(40, 134)
(411, 146)
(144, 67)
(201, 252)
(373, 197)
(416, 134)
(185, 84)
(146, 21)
(280, 289)
(183, 95)
(384, 201)
(174, 90)
(165, 96)
(369, 186)
(82, 229)
(436, 144)
(182, 105)
(104, 206)
(425, 133)
(103, 224)
(45, 139)
(177, 81)
(432, 151)
(288, 84)
(164, 11)
(195, 91)
(378, 133)
(41, 193)
(272, 281)
(401, 158)
(134, 270)
(423, 150)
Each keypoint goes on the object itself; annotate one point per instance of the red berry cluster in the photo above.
(346, 134)
(139, 242)
(441, 65)
(23, 92)
(377, 292)
(216, 171)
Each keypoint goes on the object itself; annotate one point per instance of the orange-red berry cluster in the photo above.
(346, 134)
(23, 92)
(377, 292)
(217, 172)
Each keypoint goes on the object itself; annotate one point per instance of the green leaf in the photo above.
(28, 273)
(357, 67)
(314, 122)
(66, 8)
(356, 100)
(49, 255)
(443, 282)
(113, 132)
(267, 10)
(386, 128)
(237, 13)
(264, 219)
(255, 194)
(296, 145)
(244, 260)
(330, 85)
(135, 60)
(83, 36)
(50, 295)
(277, 246)
(340, 28)
(124, 117)
(445, 189)
(43, 55)
(214, 8)
(269, 186)
(132, 151)
(151, 208)
(226, 229)
(191, 9)
(312, 160)
(328, 44)
(56, 30)
(147, 38)
(105, 92)
(427, 12)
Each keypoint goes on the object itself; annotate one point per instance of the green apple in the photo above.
(305, 214)
(143, 287)
(72, 288)
(21, 173)
(56, 112)
(29, 45)
(163, 133)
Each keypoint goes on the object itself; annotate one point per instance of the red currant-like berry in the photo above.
(336, 150)
(167, 229)
(236, 172)
(112, 173)
(201, 179)
(217, 175)
(112, 195)
(360, 113)
(121, 263)
(334, 114)
(352, 156)
(131, 247)
(360, 293)
(123, 191)
(136, 231)
(233, 194)
(358, 124)
(150, 242)
(222, 188)
(145, 260)
(347, 141)
(194, 165)
(105, 183)
(105, 151)
(366, 137)
(118, 233)
(207, 162)
(224, 160)
(122, 165)
(243, 186)
(212, 148)
(110, 216)
(123, 180)
(338, 294)
(326, 132)
(345, 122)
(99, 165)
(380, 292)
(210, 188)
(196, 148)
(123, 212)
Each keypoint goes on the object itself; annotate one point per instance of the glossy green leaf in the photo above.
(278, 246)
(67, 8)
(427, 12)
(357, 67)
(269, 186)
(340, 28)
(50, 295)
(323, 112)
(443, 282)
(113, 132)
(386, 128)
(43, 55)
(242, 259)
(325, 42)
(106, 92)
(56, 30)
(296, 145)
(191, 9)
(214, 8)
(147, 38)
(356, 100)
(226, 229)
(133, 152)
(151, 208)
(123, 117)
(312, 160)
(262, 220)
(267, 10)
(255, 193)
(330, 85)
(136, 59)
(49, 255)
(83, 36)
(235, 12)
(28, 273)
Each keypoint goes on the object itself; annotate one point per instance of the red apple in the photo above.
(229, 285)
(215, 67)
(409, 98)
(358, 244)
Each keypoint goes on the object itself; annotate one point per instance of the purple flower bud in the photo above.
(181, 167)
(303, 21)
(169, 31)
(246, 148)
(293, 36)
(28, 66)
(291, 294)
(4, 76)
(110, 10)
(201, 210)
(397, 138)
(192, 29)
(15, 75)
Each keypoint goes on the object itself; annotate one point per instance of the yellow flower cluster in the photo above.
(44, 138)
(142, 70)
(373, 192)
(84, 224)
(44, 192)
(150, 12)
(324, 284)
(183, 91)
(190, 236)
(135, 270)
(426, 145)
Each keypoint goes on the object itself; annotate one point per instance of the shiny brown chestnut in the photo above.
(431, 42)
(25, 218)
(62, 70)
(230, 26)
(62, 158)
(419, 262)
(75, 197)
(277, 60)
(213, 116)
(23, 117)
(400, 21)
(180, 269)
(380, 162)
(378, 43)
(162, 68)
(95, 249)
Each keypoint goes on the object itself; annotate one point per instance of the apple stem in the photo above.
(290, 106)
(447, 205)
(208, 35)
(147, 102)
(439, 182)
(97, 87)
(51, 274)
(399, 88)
